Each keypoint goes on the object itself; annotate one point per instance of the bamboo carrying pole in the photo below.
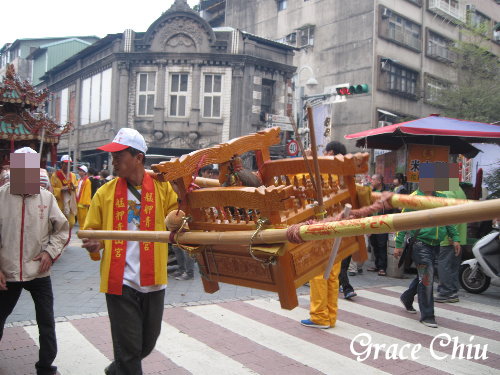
(317, 174)
(420, 202)
(472, 212)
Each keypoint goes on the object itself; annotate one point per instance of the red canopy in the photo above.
(458, 134)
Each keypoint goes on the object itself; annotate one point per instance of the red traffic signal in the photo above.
(351, 90)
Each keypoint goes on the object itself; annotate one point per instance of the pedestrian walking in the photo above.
(378, 241)
(83, 195)
(64, 184)
(185, 263)
(324, 294)
(33, 234)
(449, 258)
(133, 274)
(425, 251)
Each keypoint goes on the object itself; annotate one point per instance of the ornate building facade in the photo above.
(182, 84)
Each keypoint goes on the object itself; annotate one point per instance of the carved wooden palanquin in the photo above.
(284, 199)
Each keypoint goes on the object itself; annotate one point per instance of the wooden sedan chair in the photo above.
(285, 198)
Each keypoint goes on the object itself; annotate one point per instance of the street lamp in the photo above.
(300, 92)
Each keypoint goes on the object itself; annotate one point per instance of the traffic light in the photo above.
(351, 90)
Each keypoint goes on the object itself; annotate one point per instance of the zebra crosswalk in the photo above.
(373, 335)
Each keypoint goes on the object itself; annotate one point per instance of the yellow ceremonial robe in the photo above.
(100, 217)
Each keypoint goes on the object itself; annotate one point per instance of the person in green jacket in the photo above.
(425, 251)
(449, 258)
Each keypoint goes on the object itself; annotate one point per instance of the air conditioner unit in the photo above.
(381, 124)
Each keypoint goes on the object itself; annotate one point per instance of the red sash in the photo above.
(62, 177)
(81, 183)
(119, 247)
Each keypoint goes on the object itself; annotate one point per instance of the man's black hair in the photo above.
(400, 177)
(208, 167)
(134, 152)
(336, 147)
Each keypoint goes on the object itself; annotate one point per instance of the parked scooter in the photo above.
(478, 273)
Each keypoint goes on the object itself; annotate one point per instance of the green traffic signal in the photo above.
(358, 89)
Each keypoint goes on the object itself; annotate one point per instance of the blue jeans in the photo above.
(185, 262)
(423, 255)
(448, 266)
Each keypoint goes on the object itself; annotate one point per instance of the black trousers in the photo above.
(135, 319)
(379, 245)
(41, 292)
(344, 278)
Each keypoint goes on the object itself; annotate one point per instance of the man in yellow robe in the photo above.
(133, 274)
(83, 195)
(64, 184)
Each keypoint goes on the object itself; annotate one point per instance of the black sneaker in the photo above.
(408, 306)
(429, 322)
(185, 276)
(176, 273)
(446, 299)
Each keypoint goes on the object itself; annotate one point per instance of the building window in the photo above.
(146, 93)
(178, 94)
(64, 107)
(212, 95)
(448, 8)
(438, 47)
(282, 4)
(266, 101)
(479, 21)
(398, 79)
(399, 29)
(433, 88)
(306, 36)
(291, 39)
(96, 98)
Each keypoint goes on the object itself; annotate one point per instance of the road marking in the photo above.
(453, 315)
(350, 331)
(76, 355)
(476, 306)
(195, 356)
(300, 350)
(413, 325)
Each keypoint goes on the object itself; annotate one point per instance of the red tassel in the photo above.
(12, 148)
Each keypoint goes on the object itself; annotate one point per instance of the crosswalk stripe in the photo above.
(194, 355)
(300, 350)
(476, 306)
(413, 325)
(350, 331)
(459, 317)
(76, 355)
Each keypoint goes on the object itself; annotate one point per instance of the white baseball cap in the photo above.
(66, 159)
(84, 168)
(126, 137)
(25, 150)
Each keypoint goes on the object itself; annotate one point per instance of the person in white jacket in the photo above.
(33, 234)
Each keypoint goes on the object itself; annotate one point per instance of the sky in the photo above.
(56, 18)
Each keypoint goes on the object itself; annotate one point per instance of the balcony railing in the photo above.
(448, 8)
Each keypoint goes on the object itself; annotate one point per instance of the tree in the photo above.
(492, 182)
(476, 94)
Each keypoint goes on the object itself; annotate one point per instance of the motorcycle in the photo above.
(477, 274)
